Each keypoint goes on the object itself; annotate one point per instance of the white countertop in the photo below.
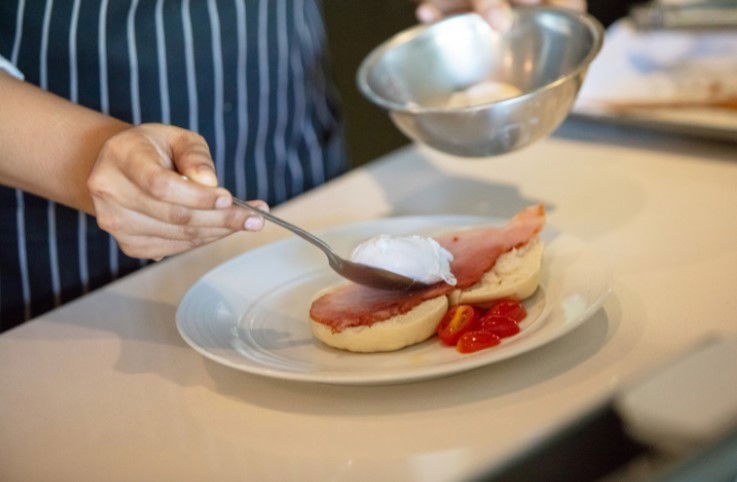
(105, 388)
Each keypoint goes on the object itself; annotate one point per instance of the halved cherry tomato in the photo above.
(501, 326)
(508, 307)
(476, 340)
(458, 320)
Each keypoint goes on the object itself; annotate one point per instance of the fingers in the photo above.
(141, 154)
(126, 222)
(122, 192)
(125, 209)
(142, 198)
(432, 10)
(254, 221)
(428, 13)
(191, 157)
(579, 5)
(497, 12)
(144, 237)
(152, 247)
(143, 166)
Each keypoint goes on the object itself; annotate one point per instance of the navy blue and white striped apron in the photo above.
(249, 75)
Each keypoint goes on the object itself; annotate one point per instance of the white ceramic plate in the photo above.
(665, 66)
(251, 312)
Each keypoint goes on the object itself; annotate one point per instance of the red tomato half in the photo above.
(508, 307)
(458, 320)
(476, 340)
(501, 326)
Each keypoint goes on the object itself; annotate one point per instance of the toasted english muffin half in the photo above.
(515, 274)
(415, 326)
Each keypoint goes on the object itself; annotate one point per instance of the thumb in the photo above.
(191, 158)
(497, 12)
(426, 12)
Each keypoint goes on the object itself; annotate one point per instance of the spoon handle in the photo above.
(332, 257)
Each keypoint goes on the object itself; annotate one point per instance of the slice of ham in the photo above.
(474, 252)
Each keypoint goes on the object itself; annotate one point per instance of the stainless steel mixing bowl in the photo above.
(544, 54)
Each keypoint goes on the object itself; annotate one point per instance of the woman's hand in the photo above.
(496, 12)
(143, 200)
(129, 177)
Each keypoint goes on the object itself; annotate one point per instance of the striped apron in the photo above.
(248, 75)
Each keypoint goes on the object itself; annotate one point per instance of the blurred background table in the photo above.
(104, 388)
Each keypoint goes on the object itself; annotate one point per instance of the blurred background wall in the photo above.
(354, 28)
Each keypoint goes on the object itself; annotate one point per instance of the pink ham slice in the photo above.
(474, 253)
(476, 250)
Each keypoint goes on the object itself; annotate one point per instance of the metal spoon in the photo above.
(356, 272)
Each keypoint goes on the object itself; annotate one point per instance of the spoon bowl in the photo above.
(357, 272)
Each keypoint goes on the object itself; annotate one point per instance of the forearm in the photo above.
(49, 145)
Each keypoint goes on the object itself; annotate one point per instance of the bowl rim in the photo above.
(404, 36)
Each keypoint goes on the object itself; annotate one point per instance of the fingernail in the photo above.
(222, 202)
(426, 14)
(499, 18)
(205, 175)
(253, 223)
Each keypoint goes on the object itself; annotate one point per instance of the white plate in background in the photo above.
(664, 68)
